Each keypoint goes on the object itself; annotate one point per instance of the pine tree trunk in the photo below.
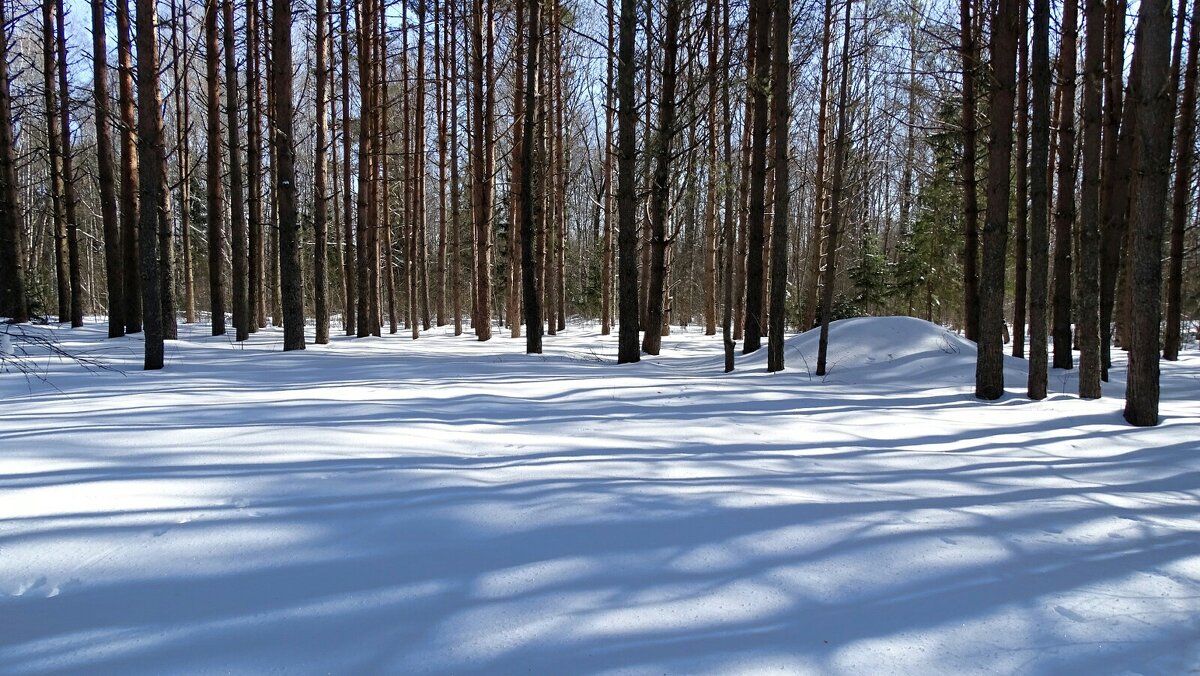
(1088, 290)
(1064, 220)
(970, 62)
(627, 297)
(320, 182)
(153, 180)
(989, 366)
(14, 301)
(179, 33)
(1185, 140)
(523, 177)
(62, 254)
(660, 188)
(780, 115)
(130, 174)
(349, 253)
(290, 282)
(105, 171)
(257, 299)
(835, 211)
(216, 189)
(1114, 191)
(1021, 253)
(1039, 198)
(1153, 146)
(760, 37)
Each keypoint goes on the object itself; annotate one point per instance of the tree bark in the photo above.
(523, 177)
(1186, 140)
(1064, 220)
(627, 298)
(291, 284)
(320, 182)
(130, 173)
(761, 37)
(970, 62)
(1039, 199)
(1153, 146)
(14, 301)
(1021, 254)
(216, 189)
(989, 366)
(780, 115)
(1088, 290)
(153, 180)
(660, 188)
(105, 171)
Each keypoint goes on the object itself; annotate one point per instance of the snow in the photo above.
(449, 506)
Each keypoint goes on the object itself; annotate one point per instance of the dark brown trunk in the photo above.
(780, 115)
(14, 301)
(290, 282)
(1152, 146)
(1087, 302)
(153, 180)
(627, 298)
(1064, 218)
(105, 170)
(970, 62)
(1039, 198)
(320, 182)
(989, 366)
(1185, 140)
(216, 189)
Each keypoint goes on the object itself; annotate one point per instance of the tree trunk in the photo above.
(1039, 199)
(1153, 146)
(1088, 290)
(627, 297)
(970, 62)
(1186, 140)
(761, 39)
(660, 188)
(1064, 219)
(238, 242)
(153, 179)
(523, 178)
(320, 182)
(256, 294)
(835, 211)
(216, 190)
(105, 171)
(481, 165)
(62, 254)
(14, 301)
(291, 284)
(989, 366)
(780, 113)
(1114, 192)
(1021, 288)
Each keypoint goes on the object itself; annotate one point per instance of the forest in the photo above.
(599, 336)
(763, 168)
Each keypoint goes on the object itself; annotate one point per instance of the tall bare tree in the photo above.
(627, 297)
(153, 179)
(215, 213)
(14, 301)
(1039, 198)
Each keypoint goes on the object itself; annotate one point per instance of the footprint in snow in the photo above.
(1069, 614)
(29, 586)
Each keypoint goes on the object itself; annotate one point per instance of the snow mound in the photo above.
(901, 350)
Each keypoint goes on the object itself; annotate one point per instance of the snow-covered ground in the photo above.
(447, 506)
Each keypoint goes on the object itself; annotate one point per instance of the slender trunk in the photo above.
(74, 272)
(1064, 220)
(627, 297)
(179, 33)
(1039, 198)
(780, 113)
(256, 296)
(482, 102)
(606, 266)
(660, 188)
(106, 174)
(239, 286)
(130, 173)
(523, 177)
(14, 301)
(1087, 302)
(835, 211)
(761, 37)
(153, 180)
(1021, 254)
(455, 188)
(320, 182)
(216, 189)
(812, 281)
(1114, 191)
(989, 366)
(292, 287)
(970, 61)
(442, 75)
(1185, 140)
(62, 253)
(349, 255)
